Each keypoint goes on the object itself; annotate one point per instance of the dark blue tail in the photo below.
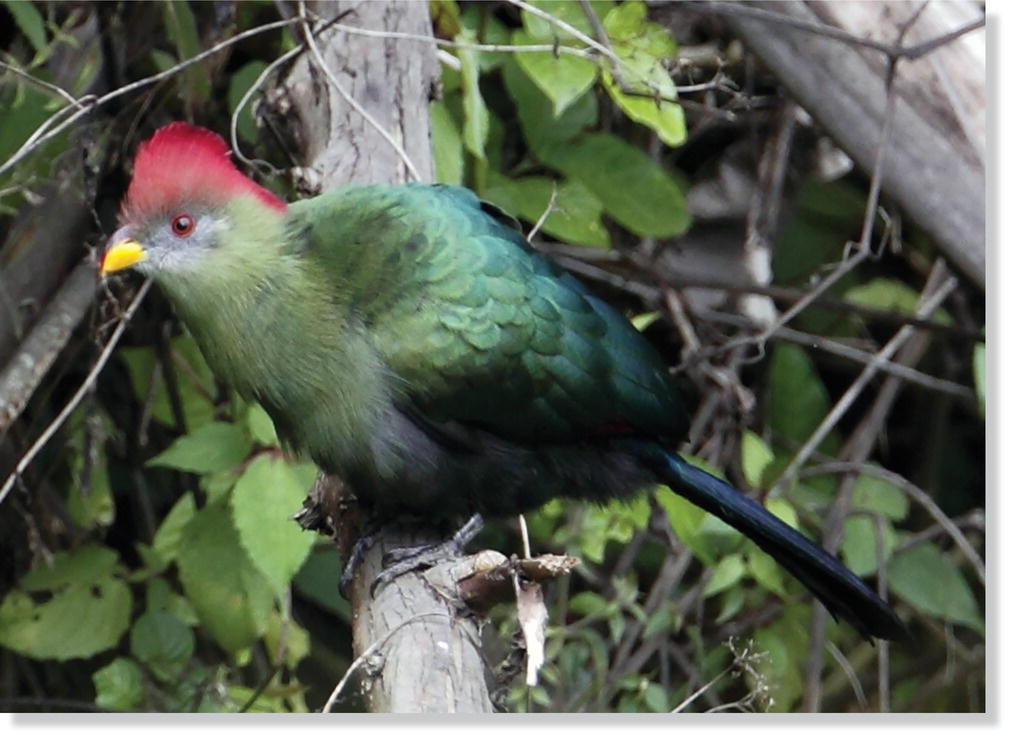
(837, 587)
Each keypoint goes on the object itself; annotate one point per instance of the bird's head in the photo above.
(184, 197)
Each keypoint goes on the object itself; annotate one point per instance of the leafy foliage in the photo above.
(160, 565)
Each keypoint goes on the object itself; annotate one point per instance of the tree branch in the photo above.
(360, 114)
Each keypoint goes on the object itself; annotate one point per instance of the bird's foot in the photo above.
(400, 561)
(355, 556)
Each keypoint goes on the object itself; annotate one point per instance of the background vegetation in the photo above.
(149, 560)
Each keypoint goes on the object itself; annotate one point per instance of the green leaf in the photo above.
(169, 533)
(643, 321)
(261, 426)
(566, 11)
(211, 448)
(727, 573)
(230, 595)
(859, 547)
(589, 603)
(634, 189)
(296, 640)
(797, 401)
(930, 582)
(660, 621)
(84, 566)
(616, 521)
(783, 510)
(785, 644)
(656, 698)
(563, 78)
(488, 29)
(446, 17)
(664, 117)
(181, 28)
(89, 498)
(878, 495)
(241, 81)
(162, 60)
(767, 572)
(262, 503)
(886, 293)
(194, 378)
(542, 130)
(980, 360)
(731, 604)
(476, 114)
(119, 685)
(756, 457)
(81, 618)
(31, 23)
(317, 581)
(705, 535)
(627, 23)
(647, 92)
(160, 640)
(161, 597)
(448, 152)
(575, 216)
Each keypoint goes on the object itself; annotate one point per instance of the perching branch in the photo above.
(360, 114)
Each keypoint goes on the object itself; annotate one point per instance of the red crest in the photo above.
(180, 164)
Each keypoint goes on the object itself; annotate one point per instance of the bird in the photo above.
(409, 339)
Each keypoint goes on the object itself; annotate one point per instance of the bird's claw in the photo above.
(402, 560)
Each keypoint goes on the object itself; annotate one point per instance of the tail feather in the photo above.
(844, 594)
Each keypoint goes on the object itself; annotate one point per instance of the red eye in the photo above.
(182, 225)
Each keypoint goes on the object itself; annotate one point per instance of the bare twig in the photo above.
(42, 84)
(545, 214)
(916, 493)
(374, 647)
(234, 122)
(892, 51)
(49, 129)
(86, 385)
(860, 356)
(927, 307)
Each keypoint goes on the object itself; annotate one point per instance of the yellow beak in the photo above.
(122, 255)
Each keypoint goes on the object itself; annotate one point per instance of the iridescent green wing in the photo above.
(479, 329)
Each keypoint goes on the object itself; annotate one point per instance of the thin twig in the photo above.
(584, 53)
(927, 307)
(369, 652)
(74, 401)
(234, 122)
(892, 51)
(88, 103)
(916, 493)
(860, 356)
(41, 83)
(545, 214)
(849, 672)
(692, 698)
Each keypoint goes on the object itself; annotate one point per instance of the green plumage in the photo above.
(478, 327)
(411, 341)
(407, 339)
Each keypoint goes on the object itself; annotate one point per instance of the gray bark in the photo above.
(422, 654)
(934, 166)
